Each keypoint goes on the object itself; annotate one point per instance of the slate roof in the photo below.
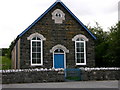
(58, 1)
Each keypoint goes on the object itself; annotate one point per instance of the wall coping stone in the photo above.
(101, 68)
(59, 69)
(31, 70)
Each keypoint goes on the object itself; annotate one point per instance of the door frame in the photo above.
(64, 58)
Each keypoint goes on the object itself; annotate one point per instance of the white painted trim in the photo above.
(64, 58)
(36, 35)
(79, 36)
(41, 52)
(84, 53)
(59, 46)
(58, 20)
(31, 52)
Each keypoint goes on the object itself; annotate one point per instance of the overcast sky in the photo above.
(17, 15)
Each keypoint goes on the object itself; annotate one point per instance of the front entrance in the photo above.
(59, 58)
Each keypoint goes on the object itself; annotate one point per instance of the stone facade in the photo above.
(56, 34)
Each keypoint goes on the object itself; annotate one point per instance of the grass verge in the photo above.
(5, 63)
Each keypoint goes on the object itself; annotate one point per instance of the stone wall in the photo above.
(32, 76)
(57, 75)
(89, 74)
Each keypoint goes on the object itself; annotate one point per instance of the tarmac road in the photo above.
(76, 84)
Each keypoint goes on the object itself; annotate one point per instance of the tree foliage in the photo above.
(107, 46)
(114, 45)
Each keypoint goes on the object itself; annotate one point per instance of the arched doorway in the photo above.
(59, 56)
(59, 59)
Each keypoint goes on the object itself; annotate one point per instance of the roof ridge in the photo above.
(58, 1)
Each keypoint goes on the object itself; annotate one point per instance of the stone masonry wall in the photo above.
(57, 75)
(100, 74)
(32, 76)
(56, 34)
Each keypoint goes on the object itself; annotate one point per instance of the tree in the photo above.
(113, 54)
(101, 44)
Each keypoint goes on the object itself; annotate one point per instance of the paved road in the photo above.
(79, 84)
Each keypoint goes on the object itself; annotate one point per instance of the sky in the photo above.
(17, 15)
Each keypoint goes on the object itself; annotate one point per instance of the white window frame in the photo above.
(84, 52)
(41, 52)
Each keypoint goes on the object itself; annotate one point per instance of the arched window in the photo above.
(80, 53)
(80, 49)
(36, 48)
(36, 51)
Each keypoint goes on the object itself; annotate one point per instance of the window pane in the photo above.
(38, 55)
(82, 45)
(78, 49)
(82, 55)
(78, 55)
(34, 61)
(33, 43)
(78, 39)
(78, 60)
(81, 39)
(82, 60)
(59, 51)
(34, 38)
(34, 55)
(38, 49)
(39, 44)
(38, 38)
(77, 44)
(38, 61)
(81, 49)
(33, 49)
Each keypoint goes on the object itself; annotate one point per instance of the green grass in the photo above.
(5, 63)
(73, 78)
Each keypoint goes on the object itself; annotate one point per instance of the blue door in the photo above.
(58, 60)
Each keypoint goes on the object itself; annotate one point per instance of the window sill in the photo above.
(36, 64)
(80, 63)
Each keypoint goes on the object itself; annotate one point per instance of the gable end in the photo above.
(48, 11)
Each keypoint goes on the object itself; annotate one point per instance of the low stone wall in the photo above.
(32, 76)
(57, 75)
(88, 74)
